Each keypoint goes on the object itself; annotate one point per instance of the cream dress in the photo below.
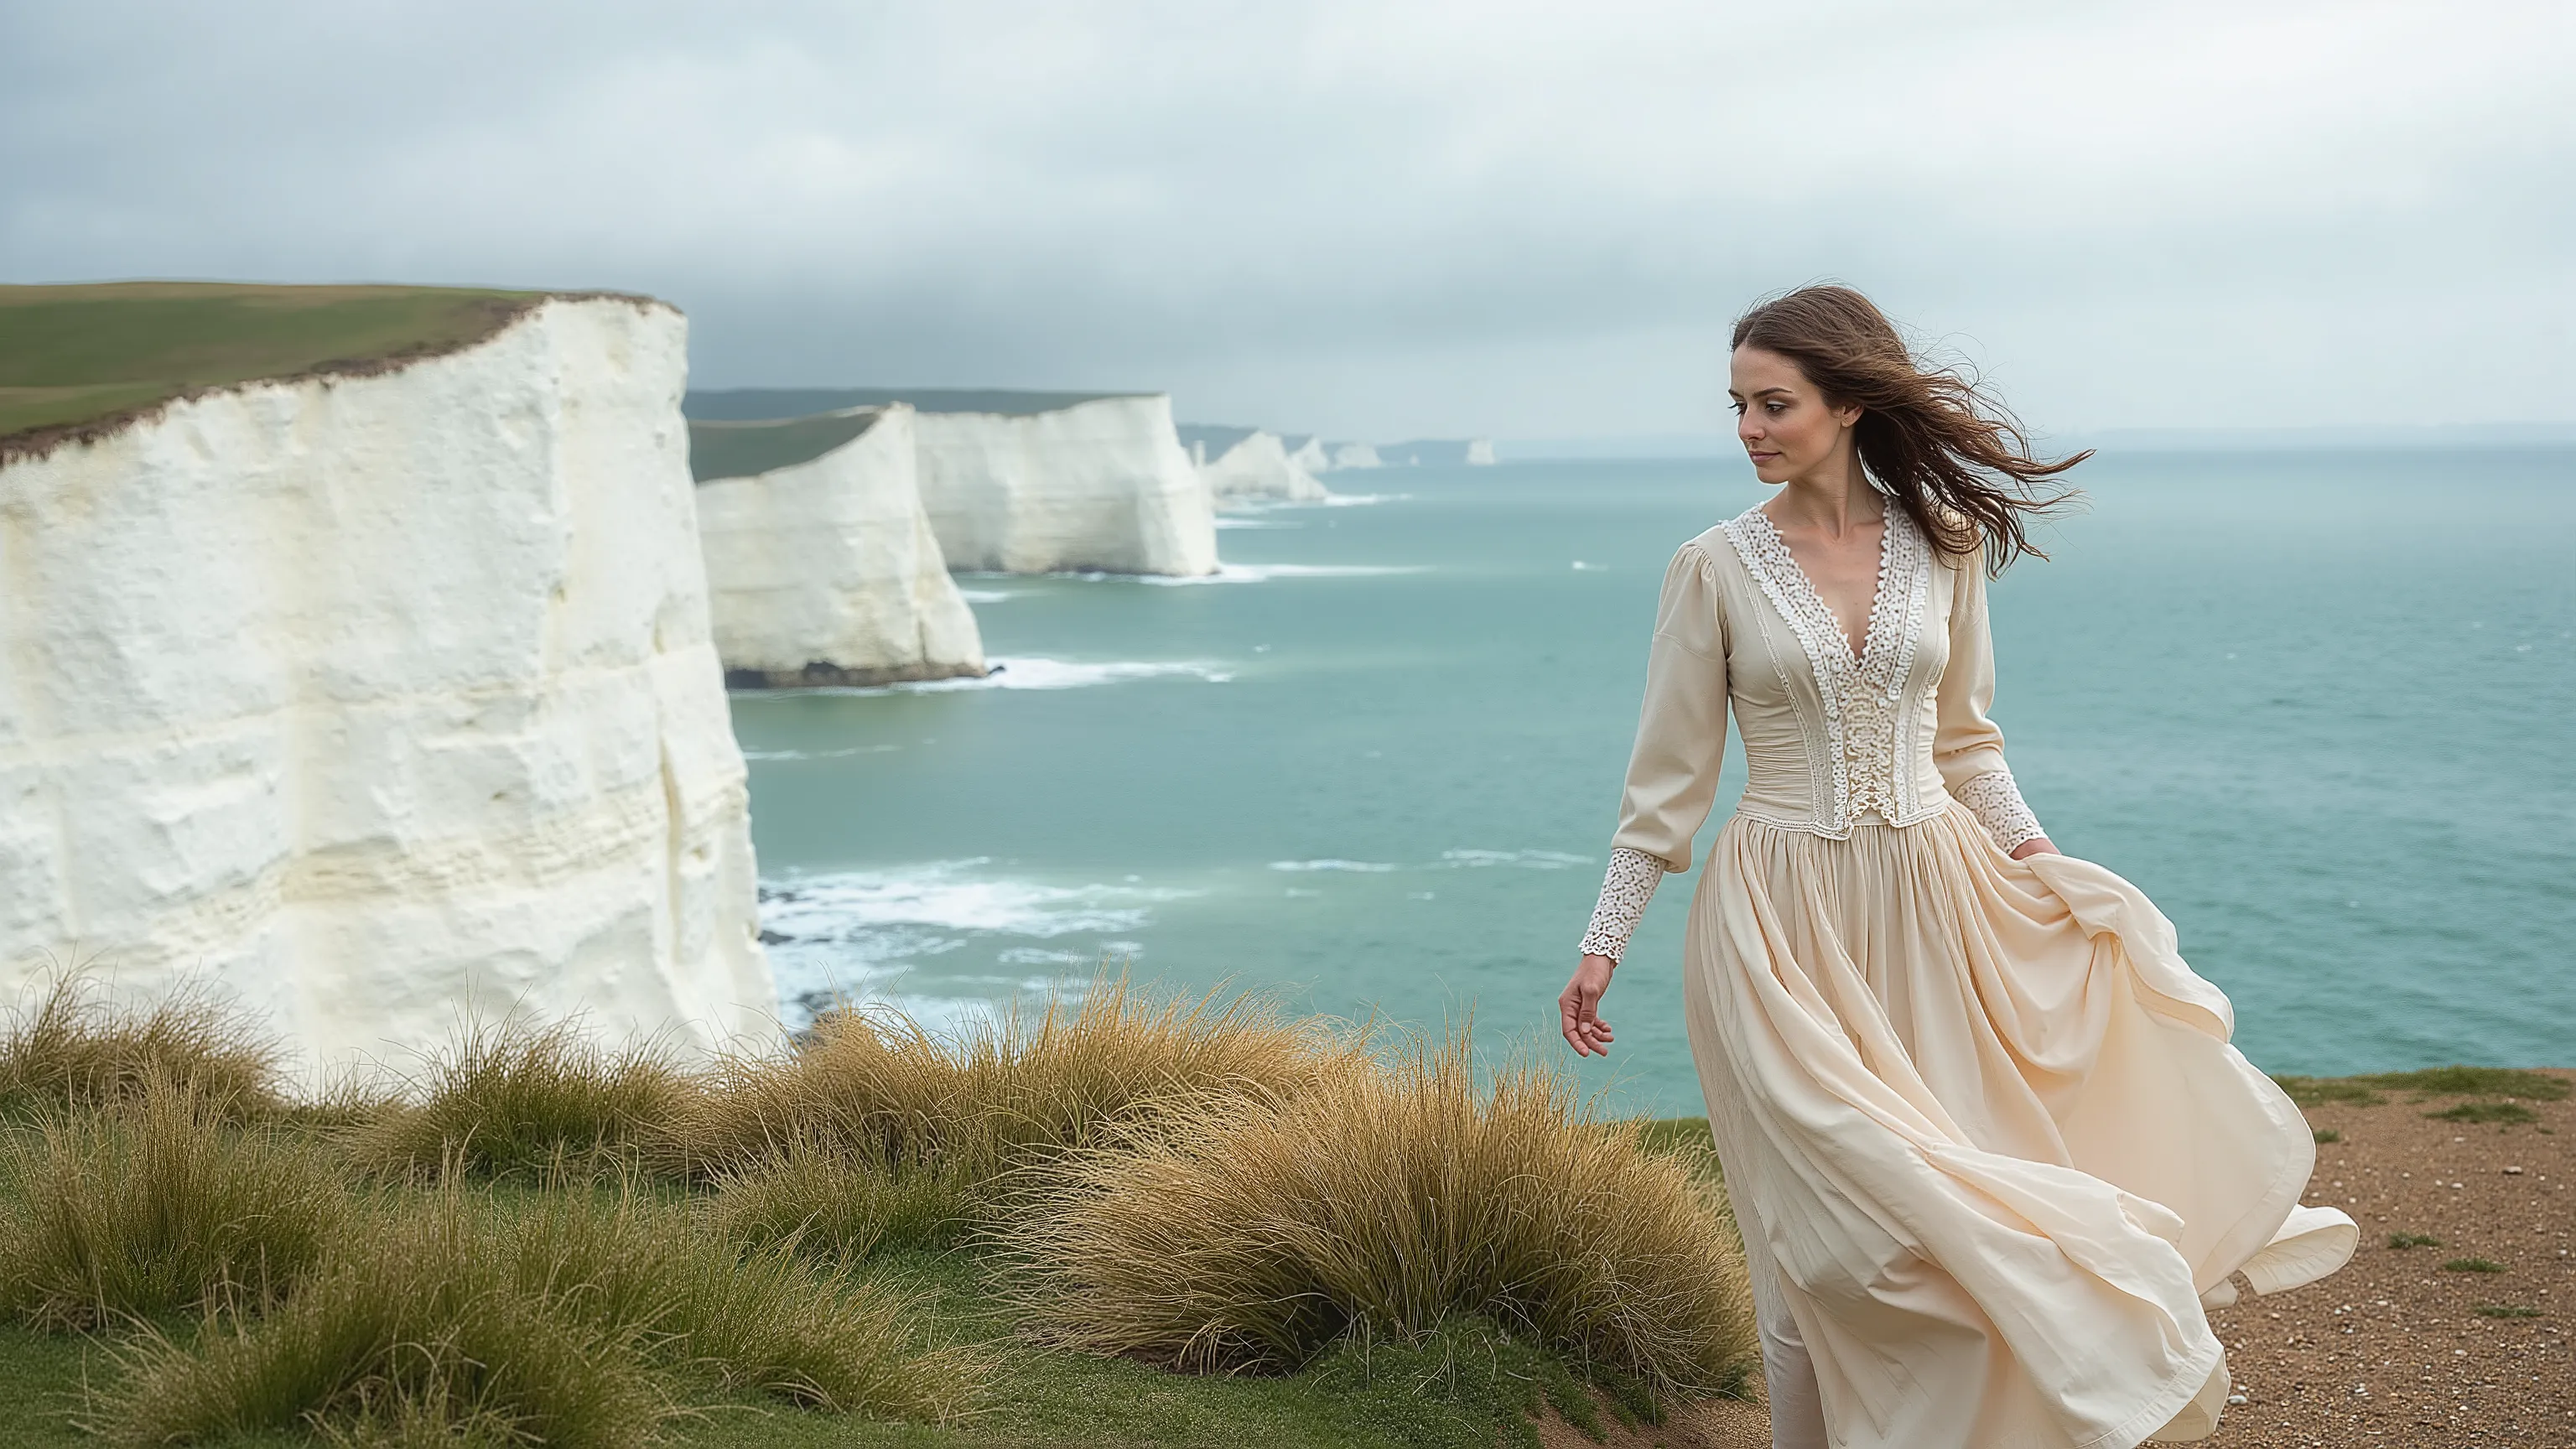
(1989, 1146)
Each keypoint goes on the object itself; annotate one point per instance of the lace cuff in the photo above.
(1625, 889)
(1999, 807)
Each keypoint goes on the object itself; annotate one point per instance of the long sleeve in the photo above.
(1681, 739)
(1966, 744)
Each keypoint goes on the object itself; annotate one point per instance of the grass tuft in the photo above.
(877, 1087)
(2413, 1240)
(2473, 1265)
(412, 1330)
(2506, 1310)
(760, 1319)
(1256, 1235)
(78, 1048)
(156, 1204)
(515, 1098)
(2325, 1135)
(839, 1206)
(541, 1321)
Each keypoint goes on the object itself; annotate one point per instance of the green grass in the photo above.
(2473, 1265)
(2503, 1114)
(79, 355)
(2403, 1241)
(2506, 1310)
(2325, 1135)
(2455, 1081)
(742, 450)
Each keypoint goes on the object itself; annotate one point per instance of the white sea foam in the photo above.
(986, 596)
(910, 936)
(1524, 859)
(1034, 673)
(1241, 522)
(1227, 573)
(819, 754)
(1362, 500)
(1367, 867)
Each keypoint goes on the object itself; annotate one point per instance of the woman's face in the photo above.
(1785, 424)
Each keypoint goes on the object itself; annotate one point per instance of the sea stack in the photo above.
(357, 666)
(1032, 483)
(822, 568)
(1249, 466)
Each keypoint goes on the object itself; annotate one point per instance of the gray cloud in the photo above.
(1371, 217)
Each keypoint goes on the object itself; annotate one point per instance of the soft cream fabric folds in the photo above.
(1984, 1118)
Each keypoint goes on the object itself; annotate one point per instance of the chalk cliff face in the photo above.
(1307, 451)
(378, 699)
(1355, 455)
(1475, 452)
(1037, 482)
(1249, 466)
(821, 566)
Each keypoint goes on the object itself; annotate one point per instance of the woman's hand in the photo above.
(1585, 1031)
(2036, 845)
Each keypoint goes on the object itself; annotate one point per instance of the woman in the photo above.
(1988, 1145)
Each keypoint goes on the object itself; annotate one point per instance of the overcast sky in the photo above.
(1375, 218)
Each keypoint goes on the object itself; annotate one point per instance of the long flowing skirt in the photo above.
(1987, 1125)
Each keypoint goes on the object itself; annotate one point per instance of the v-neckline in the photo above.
(1855, 656)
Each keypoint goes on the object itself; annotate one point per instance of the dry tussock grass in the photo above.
(837, 1205)
(1255, 1234)
(874, 1086)
(78, 1048)
(156, 1203)
(453, 1315)
(518, 1097)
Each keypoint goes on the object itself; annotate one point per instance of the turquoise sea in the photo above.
(2321, 705)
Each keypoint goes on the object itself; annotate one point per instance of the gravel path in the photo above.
(2394, 1350)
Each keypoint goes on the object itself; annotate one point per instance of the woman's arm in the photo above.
(1671, 784)
(1966, 744)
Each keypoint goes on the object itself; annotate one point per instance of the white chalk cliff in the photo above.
(380, 699)
(1355, 455)
(822, 568)
(1306, 450)
(1032, 483)
(1249, 466)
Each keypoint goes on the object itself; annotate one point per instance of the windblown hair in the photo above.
(1934, 440)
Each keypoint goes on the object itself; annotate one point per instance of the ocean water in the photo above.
(2320, 705)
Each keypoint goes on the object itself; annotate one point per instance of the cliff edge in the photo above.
(822, 568)
(378, 691)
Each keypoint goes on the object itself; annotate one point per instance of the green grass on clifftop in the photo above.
(73, 358)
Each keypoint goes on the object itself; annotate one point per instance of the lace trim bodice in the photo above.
(1863, 696)
(1881, 728)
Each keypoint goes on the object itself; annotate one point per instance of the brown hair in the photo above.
(1934, 440)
